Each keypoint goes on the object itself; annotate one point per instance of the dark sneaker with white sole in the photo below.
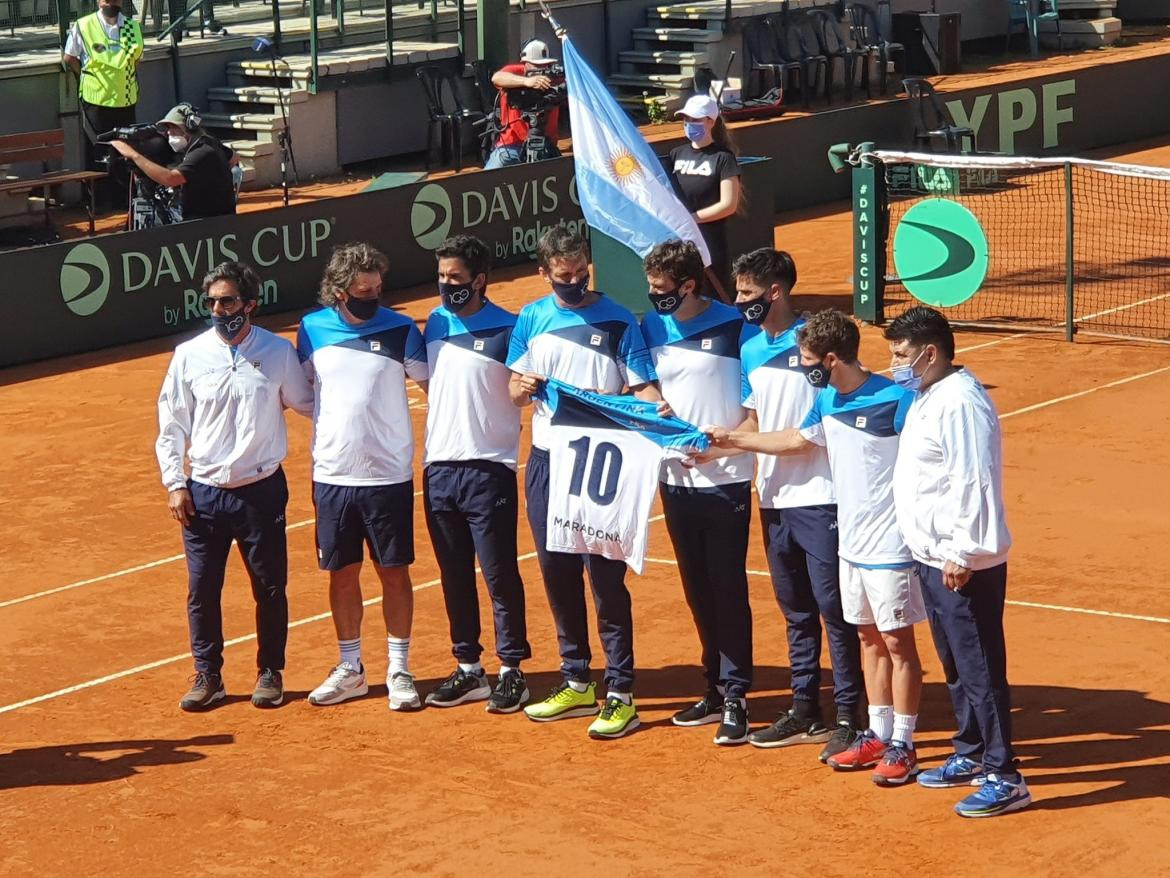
(709, 709)
(843, 736)
(269, 691)
(734, 727)
(460, 687)
(206, 689)
(794, 727)
(510, 694)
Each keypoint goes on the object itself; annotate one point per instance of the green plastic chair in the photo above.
(1028, 14)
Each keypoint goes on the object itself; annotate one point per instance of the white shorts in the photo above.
(888, 599)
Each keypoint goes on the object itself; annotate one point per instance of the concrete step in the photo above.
(651, 81)
(264, 125)
(684, 38)
(257, 94)
(648, 61)
(251, 149)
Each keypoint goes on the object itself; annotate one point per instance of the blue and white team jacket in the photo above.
(860, 431)
(699, 373)
(604, 456)
(776, 387)
(595, 348)
(470, 415)
(361, 421)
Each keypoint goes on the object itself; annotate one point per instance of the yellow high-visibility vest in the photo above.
(110, 75)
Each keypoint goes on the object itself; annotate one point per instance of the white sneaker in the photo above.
(403, 695)
(342, 684)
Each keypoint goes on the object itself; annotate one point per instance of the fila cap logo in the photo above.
(940, 252)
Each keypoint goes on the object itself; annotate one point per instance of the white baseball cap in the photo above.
(536, 52)
(700, 107)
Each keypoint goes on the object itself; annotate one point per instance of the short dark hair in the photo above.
(561, 241)
(346, 262)
(681, 261)
(830, 332)
(922, 326)
(239, 274)
(767, 266)
(469, 250)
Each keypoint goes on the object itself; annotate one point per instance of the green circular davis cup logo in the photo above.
(940, 252)
(85, 279)
(430, 216)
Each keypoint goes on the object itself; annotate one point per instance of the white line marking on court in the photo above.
(235, 641)
(1097, 314)
(1080, 393)
(170, 559)
(1031, 604)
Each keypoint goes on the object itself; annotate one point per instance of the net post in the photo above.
(1070, 327)
(869, 244)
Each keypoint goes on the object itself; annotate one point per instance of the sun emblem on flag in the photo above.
(624, 167)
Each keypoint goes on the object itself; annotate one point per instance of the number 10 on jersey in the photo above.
(604, 466)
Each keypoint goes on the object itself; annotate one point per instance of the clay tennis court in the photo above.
(101, 774)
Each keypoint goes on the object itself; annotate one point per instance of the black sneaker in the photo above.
(269, 691)
(206, 689)
(511, 693)
(461, 686)
(734, 728)
(707, 710)
(791, 728)
(841, 739)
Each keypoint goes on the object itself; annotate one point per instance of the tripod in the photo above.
(536, 146)
(284, 139)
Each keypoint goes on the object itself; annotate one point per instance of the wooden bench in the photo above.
(43, 147)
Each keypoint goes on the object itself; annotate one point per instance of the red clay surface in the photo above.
(111, 779)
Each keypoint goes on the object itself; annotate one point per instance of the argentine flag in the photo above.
(624, 191)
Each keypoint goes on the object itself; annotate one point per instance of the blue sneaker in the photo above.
(996, 796)
(957, 771)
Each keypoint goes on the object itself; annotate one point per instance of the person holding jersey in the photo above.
(694, 345)
(586, 340)
(469, 481)
(705, 174)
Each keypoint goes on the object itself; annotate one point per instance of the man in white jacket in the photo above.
(948, 492)
(222, 404)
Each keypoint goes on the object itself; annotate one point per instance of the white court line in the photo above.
(1080, 393)
(1031, 604)
(170, 559)
(1097, 314)
(235, 641)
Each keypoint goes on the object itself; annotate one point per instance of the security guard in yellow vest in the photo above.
(103, 49)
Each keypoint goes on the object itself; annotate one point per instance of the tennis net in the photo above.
(1072, 245)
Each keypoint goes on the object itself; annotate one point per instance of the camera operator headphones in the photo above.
(191, 118)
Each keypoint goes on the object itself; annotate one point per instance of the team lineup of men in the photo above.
(881, 500)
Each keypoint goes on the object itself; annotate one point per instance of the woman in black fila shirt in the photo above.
(706, 177)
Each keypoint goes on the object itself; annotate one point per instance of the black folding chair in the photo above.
(765, 60)
(867, 33)
(931, 122)
(799, 40)
(835, 47)
(449, 122)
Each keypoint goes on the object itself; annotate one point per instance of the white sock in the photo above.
(473, 668)
(881, 721)
(351, 651)
(398, 650)
(624, 697)
(904, 728)
(578, 686)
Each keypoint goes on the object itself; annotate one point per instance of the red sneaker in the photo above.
(865, 752)
(899, 765)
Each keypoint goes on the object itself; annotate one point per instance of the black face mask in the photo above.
(229, 325)
(817, 375)
(755, 311)
(363, 309)
(455, 296)
(666, 303)
(574, 293)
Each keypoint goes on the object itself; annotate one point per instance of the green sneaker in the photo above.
(564, 702)
(617, 718)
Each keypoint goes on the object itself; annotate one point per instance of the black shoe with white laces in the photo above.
(734, 727)
(841, 739)
(511, 693)
(461, 686)
(709, 709)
